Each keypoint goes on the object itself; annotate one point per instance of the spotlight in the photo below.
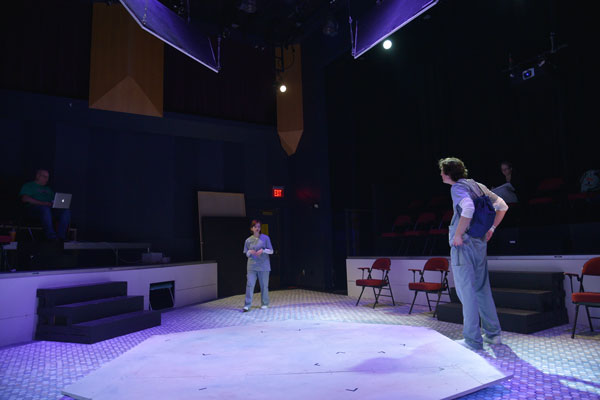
(282, 88)
(528, 74)
(387, 44)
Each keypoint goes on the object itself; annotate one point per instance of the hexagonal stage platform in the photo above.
(293, 359)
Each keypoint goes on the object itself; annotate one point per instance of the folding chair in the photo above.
(433, 264)
(583, 298)
(400, 224)
(440, 231)
(383, 265)
(424, 222)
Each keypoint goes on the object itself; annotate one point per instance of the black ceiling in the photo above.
(262, 22)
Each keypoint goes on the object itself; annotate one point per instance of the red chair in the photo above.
(441, 230)
(549, 200)
(439, 264)
(400, 224)
(550, 185)
(383, 265)
(424, 222)
(437, 202)
(583, 298)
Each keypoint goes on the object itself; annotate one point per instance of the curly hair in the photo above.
(454, 168)
(254, 222)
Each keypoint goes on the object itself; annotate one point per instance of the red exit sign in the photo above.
(278, 192)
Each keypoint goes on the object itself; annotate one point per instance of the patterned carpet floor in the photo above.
(545, 365)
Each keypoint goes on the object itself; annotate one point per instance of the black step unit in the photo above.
(51, 297)
(534, 300)
(91, 313)
(552, 281)
(511, 320)
(101, 329)
(526, 302)
(69, 314)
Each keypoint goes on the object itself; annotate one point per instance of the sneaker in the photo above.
(492, 339)
(246, 309)
(264, 307)
(466, 345)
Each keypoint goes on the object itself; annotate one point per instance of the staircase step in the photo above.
(50, 297)
(100, 329)
(69, 314)
(511, 319)
(552, 281)
(534, 300)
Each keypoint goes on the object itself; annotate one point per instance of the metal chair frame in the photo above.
(384, 282)
(443, 283)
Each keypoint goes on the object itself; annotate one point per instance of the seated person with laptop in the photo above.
(41, 202)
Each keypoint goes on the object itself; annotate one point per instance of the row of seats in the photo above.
(423, 231)
(550, 205)
(440, 286)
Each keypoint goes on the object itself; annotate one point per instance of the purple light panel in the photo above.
(158, 20)
(384, 19)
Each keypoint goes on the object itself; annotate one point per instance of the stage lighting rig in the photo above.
(533, 66)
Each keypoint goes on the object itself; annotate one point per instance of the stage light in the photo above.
(528, 74)
(382, 20)
(387, 44)
(282, 88)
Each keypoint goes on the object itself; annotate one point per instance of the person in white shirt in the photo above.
(257, 248)
(468, 255)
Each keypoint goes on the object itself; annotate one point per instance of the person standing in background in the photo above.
(468, 255)
(257, 248)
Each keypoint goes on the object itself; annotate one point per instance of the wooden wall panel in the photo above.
(127, 64)
(290, 117)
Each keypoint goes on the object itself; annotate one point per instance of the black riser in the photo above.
(528, 301)
(96, 331)
(70, 314)
(552, 281)
(74, 294)
(533, 300)
(509, 321)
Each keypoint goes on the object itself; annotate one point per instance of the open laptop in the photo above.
(62, 200)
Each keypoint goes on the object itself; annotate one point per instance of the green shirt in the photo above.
(38, 192)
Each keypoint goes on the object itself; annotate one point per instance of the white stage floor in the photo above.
(293, 360)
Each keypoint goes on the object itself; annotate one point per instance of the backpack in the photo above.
(484, 215)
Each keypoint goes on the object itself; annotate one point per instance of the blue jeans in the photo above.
(263, 280)
(45, 214)
(470, 270)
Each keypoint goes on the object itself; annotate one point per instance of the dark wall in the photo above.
(134, 178)
(45, 48)
(444, 90)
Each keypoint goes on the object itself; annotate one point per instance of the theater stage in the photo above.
(546, 364)
(293, 360)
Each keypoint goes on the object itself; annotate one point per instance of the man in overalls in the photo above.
(468, 255)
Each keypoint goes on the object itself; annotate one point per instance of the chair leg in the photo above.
(437, 303)
(587, 310)
(361, 293)
(428, 304)
(391, 294)
(575, 322)
(413, 302)
(376, 297)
